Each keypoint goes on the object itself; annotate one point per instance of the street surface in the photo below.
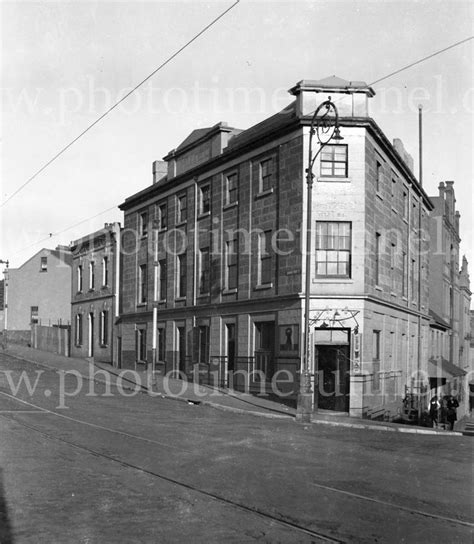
(116, 469)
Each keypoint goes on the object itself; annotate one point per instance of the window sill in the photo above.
(143, 236)
(230, 205)
(162, 229)
(392, 294)
(263, 286)
(262, 194)
(203, 215)
(91, 290)
(394, 210)
(181, 223)
(405, 220)
(141, 304)
(378, 288)
(334, 179)
(204, 295)
(377, 194)
(332, 280)
(232, 291)
(180, 299)
(104, 346)
(161, 301)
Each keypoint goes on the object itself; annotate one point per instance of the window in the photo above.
(103, 328)
(413, 278)
(163, 282)
(204, 199)
(181, 284)
(394, 191)
(203, 344)
(231, 189)
(142, 284)
(378, 176)
(162, 210)
(34, 315)
(143, 224)
(105, 271)
(182, 213)
(393, 256)
(405, 205)
(204, 271)
(265, 258)
(78, 331)
(404, 275)
(376, 359)
(231, 264)
(334, 161)
(333, 249)
(266, 175)
(80, 274)
(91, 275)
(377, 258)
(44, 264)
(141, 345)
(161, 341)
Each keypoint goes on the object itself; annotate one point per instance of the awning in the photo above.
(442, 368)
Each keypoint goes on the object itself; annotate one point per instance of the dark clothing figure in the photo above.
(451, 414)
(434, 407)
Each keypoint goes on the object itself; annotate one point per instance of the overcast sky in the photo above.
(64, 62)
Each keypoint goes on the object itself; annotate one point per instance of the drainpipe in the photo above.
(420, 179)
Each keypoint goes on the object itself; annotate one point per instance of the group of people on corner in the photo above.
(443, 411)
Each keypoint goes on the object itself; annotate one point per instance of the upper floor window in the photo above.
(265, 182)
(79, 278)
(333, 249)
(265, 258)
(393, 264)
(231, 264)
(181, 283)
(161, 333)
(378, 176)
(105, 271)
(92, 275)
(44, 264)
(204, 199)
(204, 271)
(334, 161)
(405, 204)
(142, 284)
(163, 279)
(143, 224)
(162, 213)
(377, 258)
(231, 188)
(182, 209)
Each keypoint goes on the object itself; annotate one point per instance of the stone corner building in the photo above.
(215, 245)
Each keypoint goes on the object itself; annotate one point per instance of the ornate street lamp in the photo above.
(325, 127)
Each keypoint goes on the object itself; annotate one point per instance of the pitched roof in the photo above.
(195, 135)
(442, 368)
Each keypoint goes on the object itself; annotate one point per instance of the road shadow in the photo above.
(6, 532)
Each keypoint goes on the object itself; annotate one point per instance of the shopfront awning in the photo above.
(442, 368)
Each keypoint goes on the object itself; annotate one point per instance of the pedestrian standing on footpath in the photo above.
(451, 415)
(434, 407)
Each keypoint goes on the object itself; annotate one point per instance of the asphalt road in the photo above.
(113, 469)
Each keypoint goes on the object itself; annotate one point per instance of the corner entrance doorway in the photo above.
(332, 364)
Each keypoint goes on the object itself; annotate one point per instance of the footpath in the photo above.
(193, 393)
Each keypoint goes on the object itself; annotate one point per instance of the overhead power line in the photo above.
(421, 60)
(85, 131)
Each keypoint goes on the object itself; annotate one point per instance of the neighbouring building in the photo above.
(2, 304)
(450, 301)
(39, 291)
(216, 247)
(95, 295)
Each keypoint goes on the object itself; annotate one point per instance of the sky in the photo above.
(64, 63)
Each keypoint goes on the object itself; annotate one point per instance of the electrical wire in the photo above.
(85, 131)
